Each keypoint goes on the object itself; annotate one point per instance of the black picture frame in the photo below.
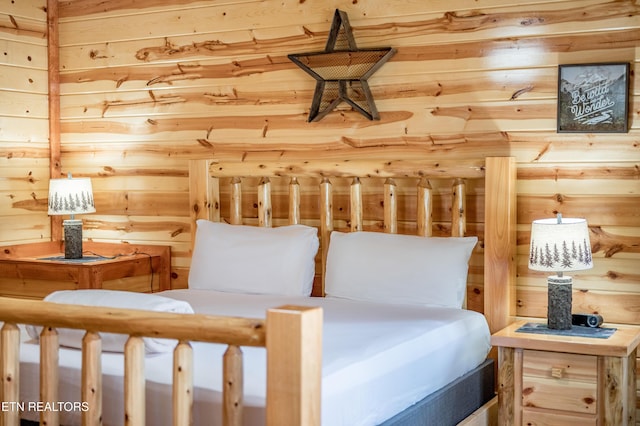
(593, 98)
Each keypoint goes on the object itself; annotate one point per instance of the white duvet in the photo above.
(378, 359)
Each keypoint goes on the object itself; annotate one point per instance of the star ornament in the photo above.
(341, 71)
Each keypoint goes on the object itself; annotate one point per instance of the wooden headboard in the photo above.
(466, 197)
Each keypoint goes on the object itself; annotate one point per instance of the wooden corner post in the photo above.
(53, 74)
(294, 366)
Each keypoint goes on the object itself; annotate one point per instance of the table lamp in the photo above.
(560, 245)
(71, 196)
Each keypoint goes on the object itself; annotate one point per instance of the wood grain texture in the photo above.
(573, 388)
(53, 77)
(91, 387)
(134, 382)
(500, 274)
(506, 377)
(49, 346)
(183, 384)
(147, 86)
(293, 380)
(233, 386)
(24, 142)
(10, 371)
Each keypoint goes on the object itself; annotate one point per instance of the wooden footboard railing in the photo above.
(292, 336)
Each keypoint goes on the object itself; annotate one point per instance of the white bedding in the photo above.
(378, 359)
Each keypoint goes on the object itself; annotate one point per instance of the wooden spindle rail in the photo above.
(292, 336)
(134, 382)
(356, 205)
(264, 203)
(235, 216)
(326, 223)
(183, 384)
(91, 388)
(459, 209)
(390, 207)
(233, 386)
(294, 201)
(10, 370)
(49, 374)
(425, 208)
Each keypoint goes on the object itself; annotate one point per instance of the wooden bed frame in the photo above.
(497, 234)
(296, 399)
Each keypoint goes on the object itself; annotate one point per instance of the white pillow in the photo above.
(394, 268)
(252, 259)
(113, 342)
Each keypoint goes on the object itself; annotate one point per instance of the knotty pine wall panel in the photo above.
(145, 87)
(24, 134)
(148, 86)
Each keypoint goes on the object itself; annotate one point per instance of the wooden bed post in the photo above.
(204, 194)
(10, 370)
(500, 238)
(294, 366)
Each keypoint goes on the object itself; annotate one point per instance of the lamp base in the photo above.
(72, 238)
(559, 303)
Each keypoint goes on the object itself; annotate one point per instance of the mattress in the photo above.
(378, 359)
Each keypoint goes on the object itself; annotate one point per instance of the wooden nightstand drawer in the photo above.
(560, 381)
(532, 417)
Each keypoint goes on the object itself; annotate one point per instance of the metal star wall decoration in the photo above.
(341, 71)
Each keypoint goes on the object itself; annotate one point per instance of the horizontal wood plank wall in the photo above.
(146, 86)
(24, 134)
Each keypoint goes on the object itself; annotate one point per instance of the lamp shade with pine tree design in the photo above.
(70, 196)
(560, 245)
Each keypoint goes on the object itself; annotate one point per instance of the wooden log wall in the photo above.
(146, 86)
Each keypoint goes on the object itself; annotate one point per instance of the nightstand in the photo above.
(35, 270)
(565, 380)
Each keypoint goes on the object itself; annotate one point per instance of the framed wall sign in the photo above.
(593, 98)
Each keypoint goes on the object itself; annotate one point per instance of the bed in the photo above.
(308, 360)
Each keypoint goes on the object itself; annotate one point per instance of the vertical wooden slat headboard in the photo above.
(499, 208)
